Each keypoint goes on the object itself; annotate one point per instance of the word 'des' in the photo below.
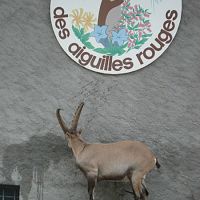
(60, 22)
(115, 37)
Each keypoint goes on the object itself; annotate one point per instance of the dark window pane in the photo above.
(9, 192)
(1, 191)
(8, 198)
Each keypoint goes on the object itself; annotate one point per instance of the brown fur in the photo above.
(106, 6)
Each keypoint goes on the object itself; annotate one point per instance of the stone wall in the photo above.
(159, 105)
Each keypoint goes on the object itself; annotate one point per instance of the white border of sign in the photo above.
(159, 29)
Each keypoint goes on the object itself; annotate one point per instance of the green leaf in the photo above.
(125, 45)
(146, 35)
(122, 51)
(142, 41)
(101, 50)
(117, 50)
(130, 27)
(76, 32)
(145, 21)
(136, 26)
(129, 49)
(137, 47)
(88, 45)
(136, 42)
(82, 31)
(85, 37)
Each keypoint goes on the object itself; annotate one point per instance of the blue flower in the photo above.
(99, 32)
(119, 37)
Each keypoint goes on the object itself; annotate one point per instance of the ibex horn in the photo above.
(61, 121)
(76, 117)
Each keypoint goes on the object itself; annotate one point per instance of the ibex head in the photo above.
(71, 133)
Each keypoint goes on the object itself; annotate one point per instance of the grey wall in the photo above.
(159, 105)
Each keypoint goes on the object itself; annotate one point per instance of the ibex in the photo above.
(105, 8)
(112, 161)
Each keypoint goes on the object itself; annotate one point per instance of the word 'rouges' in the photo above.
(164, 37)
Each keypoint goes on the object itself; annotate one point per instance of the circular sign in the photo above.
(115, 36)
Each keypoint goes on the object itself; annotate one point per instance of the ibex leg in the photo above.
(91, 186)
(145, 187)
(136, 183)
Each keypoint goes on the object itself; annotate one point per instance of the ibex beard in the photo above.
(113, 161)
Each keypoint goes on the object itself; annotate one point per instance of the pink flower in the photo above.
(144, 32)
(131, 15)
(140, 34)
(141, 25)
(136, 7)
(148, 24)
(131, 43)
(131, 32)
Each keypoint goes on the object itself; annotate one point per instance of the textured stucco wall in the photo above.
(159, 105)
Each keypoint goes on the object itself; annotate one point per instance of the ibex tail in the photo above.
(157, 164)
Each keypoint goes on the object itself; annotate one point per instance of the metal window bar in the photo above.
(9, 191)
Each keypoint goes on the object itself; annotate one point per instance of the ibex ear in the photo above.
(80, 131)
(67, 134)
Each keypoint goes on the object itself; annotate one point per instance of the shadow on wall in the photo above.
(32, 159)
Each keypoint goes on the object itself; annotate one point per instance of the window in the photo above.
(9, 192)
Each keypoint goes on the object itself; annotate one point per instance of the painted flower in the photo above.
(119, 37)
(136, 22)
(88, 20)
(131, 43)
(77, 16)
(126, 3)
(99, 32)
